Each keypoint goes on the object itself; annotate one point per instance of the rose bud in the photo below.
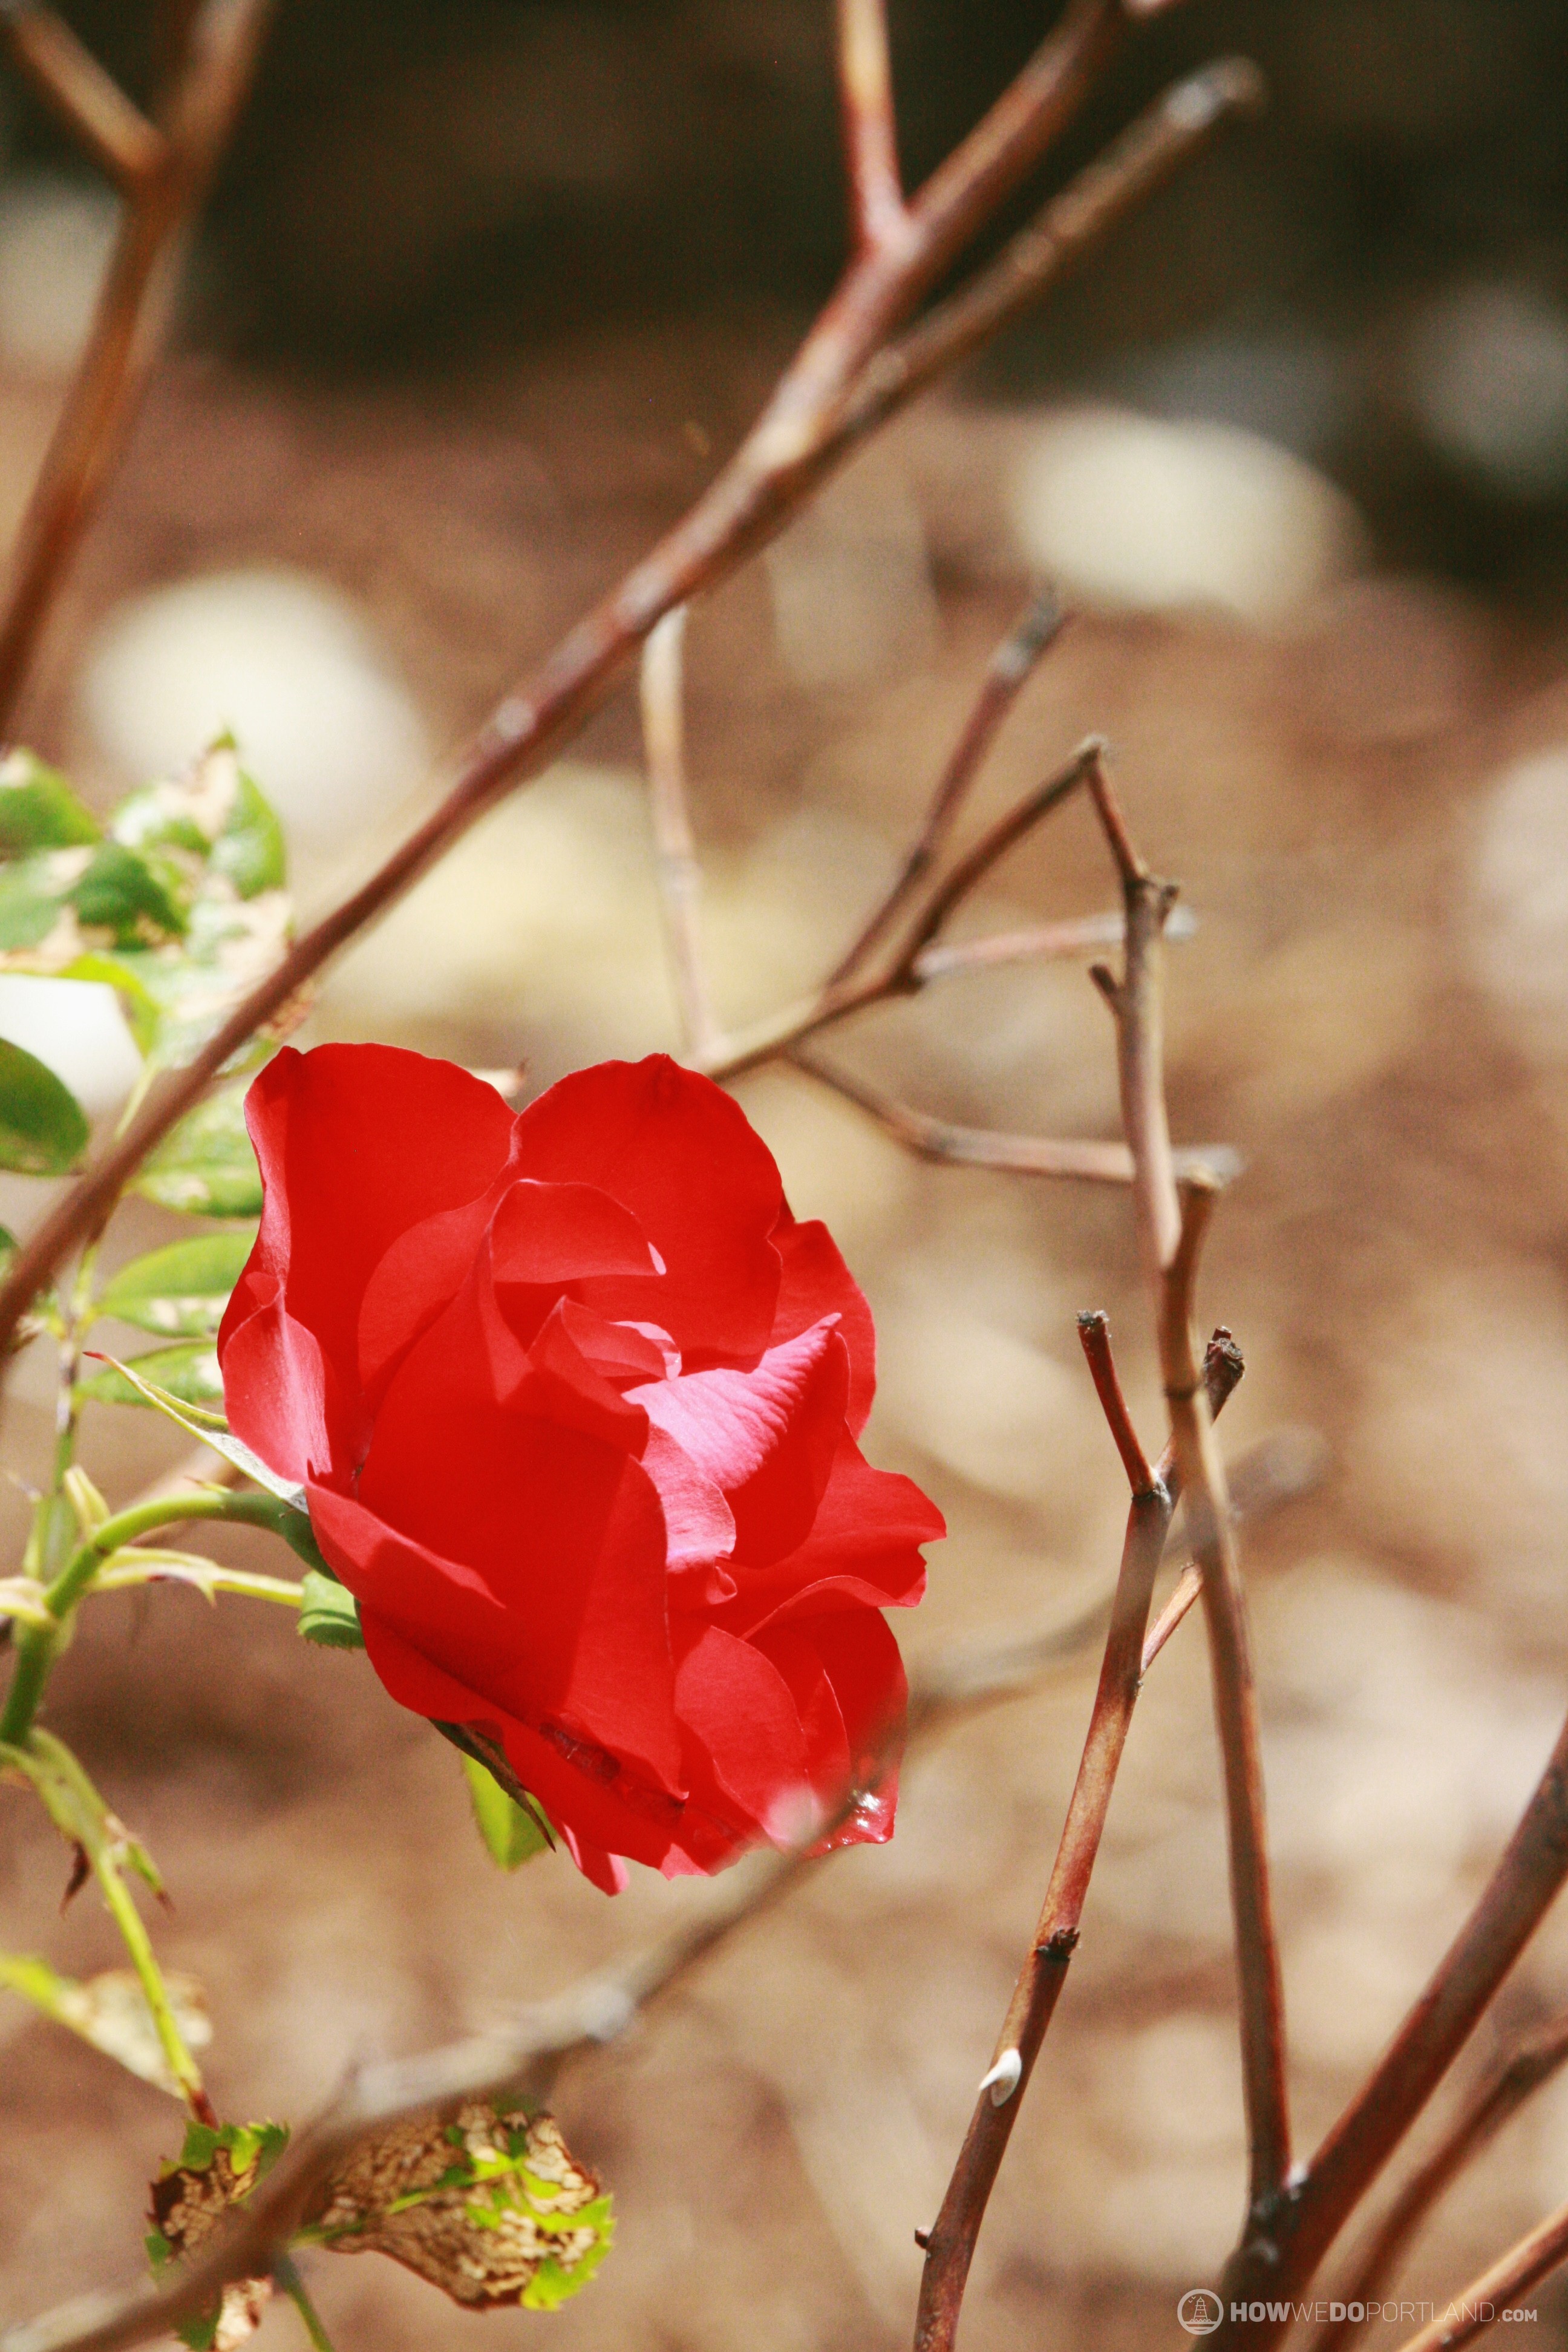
(574, 1400)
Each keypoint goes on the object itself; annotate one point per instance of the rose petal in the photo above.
(678, 1153)
(865, 1539)
(744, 1755)
(563, 1232)
(766, 1438)
(284, 1398)
(355, 1143)
(815, 1283)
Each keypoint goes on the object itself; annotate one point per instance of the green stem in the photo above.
(143, 1959)
(38, 1647)
(127, 1574)
(286, 2271)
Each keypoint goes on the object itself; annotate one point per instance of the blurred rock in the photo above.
(850, 582)
(1125, 512)
(1486, 376)
(55, 240)
(292, 667)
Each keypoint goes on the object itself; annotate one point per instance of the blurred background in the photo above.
(486, 292)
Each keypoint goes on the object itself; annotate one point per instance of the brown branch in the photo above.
(1279, 2261)
(1041, 943)
(675, 850)
(129, 329)
(1497, 2290)
(870, 124)
(104, 123)
(1094, 1333)
(1184, 1592)
(808, 430)
(1171, 1233)
(938, 1140)
(950, 2244)
(1038, 626)
(1532, 2063)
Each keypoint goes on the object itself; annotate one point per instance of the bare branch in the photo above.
(807, 431)
(950, 2244)
(1497, 2289)
(675, 850)
(1534, 2062)
(1042, 943)
(129, 329)
(1170, 1236)
(105, 123)
(870, 124)
(1523, 1887)
(1184, 1592)
(1038, 626)
(1094, 1332)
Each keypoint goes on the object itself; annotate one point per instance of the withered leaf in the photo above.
(493, 2209)
(217, 2169)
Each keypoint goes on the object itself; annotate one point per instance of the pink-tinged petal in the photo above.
(744, 1755)
(597, 1815)
(699, 1525)
(865, 1539)
(815, 1283)
(556, 1234)
(678, 1153)
(766, 1438)
(356, 1143)
(283, 1397)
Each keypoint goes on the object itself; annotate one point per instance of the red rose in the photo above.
(574, 1399)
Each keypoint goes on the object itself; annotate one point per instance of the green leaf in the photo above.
(39, 809)
(510, 1834)
(188, 1374)
(210, 1427)
(136, 895)
(29, 905)
(181, 1291)
(249, 852)
(43, 1129)
(137, 1001)
(207, 1167)
(329, 1616)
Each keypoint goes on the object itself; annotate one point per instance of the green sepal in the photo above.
(189, 1373)
(329, 1616)
(512, 1836)
(210, 1427)
(180, 1291)
(43, 1129)
(39, 809)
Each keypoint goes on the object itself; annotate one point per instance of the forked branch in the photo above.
(846, 380)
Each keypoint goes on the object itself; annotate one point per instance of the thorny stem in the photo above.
(846, 382)
(950, 2244)
(1532, 2064)
(38, 1647)
(80, 1815)
(1170, 1236)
